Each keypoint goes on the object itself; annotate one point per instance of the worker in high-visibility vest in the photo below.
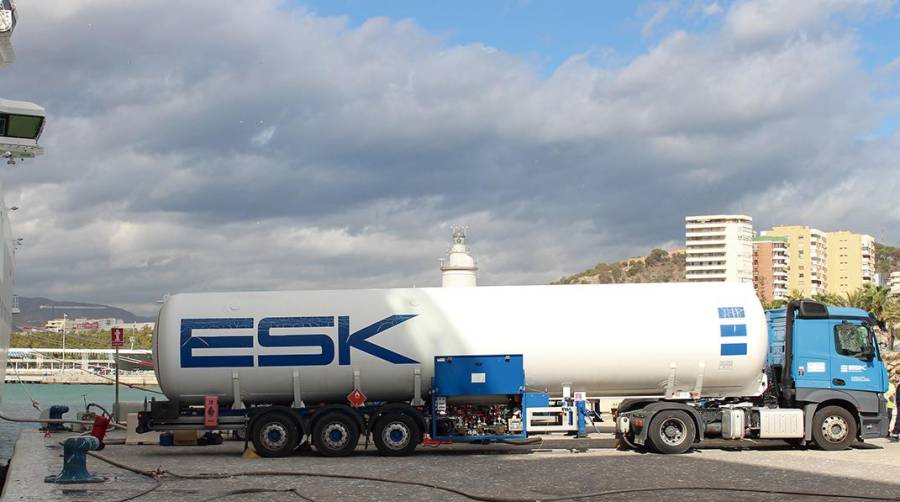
(891, 396)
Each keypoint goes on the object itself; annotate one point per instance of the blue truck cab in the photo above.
(822, 357)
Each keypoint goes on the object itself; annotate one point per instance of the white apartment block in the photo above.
(719, 248)
(894, 283)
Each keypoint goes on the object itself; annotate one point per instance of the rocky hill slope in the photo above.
(658, 266)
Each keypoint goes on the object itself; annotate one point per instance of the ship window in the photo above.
(2, 125)
(23, 126)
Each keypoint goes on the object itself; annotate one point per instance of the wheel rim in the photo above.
(335, 435)
(834, 429)
(395, 435)
(673, 431)
(274, 436)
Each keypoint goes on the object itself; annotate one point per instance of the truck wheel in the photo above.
(396, 435)
(834, 428)
(274, 435)
(335, 435)
(672, 431)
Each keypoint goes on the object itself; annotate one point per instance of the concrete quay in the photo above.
(558, 468)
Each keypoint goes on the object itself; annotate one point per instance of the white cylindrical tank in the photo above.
(608, 340)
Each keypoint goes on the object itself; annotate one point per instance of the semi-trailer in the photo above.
(403, 366)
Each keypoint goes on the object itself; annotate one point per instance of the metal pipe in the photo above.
(53, 421)
(787, 381)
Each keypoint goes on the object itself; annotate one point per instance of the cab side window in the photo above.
(852, 340)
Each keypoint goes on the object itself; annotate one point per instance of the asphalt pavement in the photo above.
(721, 470)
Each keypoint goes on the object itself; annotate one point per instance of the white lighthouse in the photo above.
(458, 269)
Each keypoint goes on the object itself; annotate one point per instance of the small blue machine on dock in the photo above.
(481, 398)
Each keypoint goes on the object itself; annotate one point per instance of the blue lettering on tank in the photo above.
(266, 339)
(359, 340)
(190, 342)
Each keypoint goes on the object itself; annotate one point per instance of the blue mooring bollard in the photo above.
(56, 413)
(75, 461)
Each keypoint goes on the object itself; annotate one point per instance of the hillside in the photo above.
(663, 266)
(887, 259)
(658, 266)
(31, 313)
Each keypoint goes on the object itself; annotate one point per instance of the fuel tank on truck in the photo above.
(608, 340)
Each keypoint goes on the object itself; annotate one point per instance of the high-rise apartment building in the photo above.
(851, 261)
(719, 248)
(807, 251)
(770, 268)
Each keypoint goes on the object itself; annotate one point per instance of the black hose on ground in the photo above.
(156, 476)
(522, 442)
(247, 491)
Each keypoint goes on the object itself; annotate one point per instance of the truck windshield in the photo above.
(853, 340)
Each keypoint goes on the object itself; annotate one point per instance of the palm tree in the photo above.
(874, 299)
(796, 294)
(891, 319)
(831, 299)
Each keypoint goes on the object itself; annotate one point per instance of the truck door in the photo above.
(854, 360)
(812, 354)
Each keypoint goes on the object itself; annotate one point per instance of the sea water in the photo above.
(16, 402)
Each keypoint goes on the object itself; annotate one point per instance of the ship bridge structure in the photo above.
(21, 122)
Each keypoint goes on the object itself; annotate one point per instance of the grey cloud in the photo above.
(221, 147)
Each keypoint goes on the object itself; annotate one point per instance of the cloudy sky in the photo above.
(211, 145)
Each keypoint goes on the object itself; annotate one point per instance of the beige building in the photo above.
(770, 268)
(851, 261)
(807, 252)
(719, 248)
(60, 325)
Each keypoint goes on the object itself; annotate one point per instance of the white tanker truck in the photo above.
(505, 363)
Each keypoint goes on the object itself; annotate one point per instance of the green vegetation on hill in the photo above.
(887, 259)
(143, 339)
(663, 266)
(658, 266)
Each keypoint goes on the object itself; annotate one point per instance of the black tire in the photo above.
(672, 432)
(834, 428)
(396, 435)
(274, 434)
(335, 435)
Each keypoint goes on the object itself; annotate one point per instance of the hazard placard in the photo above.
(118, 337)
(356, 398)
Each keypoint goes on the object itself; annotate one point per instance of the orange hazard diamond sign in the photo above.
(356, 398)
